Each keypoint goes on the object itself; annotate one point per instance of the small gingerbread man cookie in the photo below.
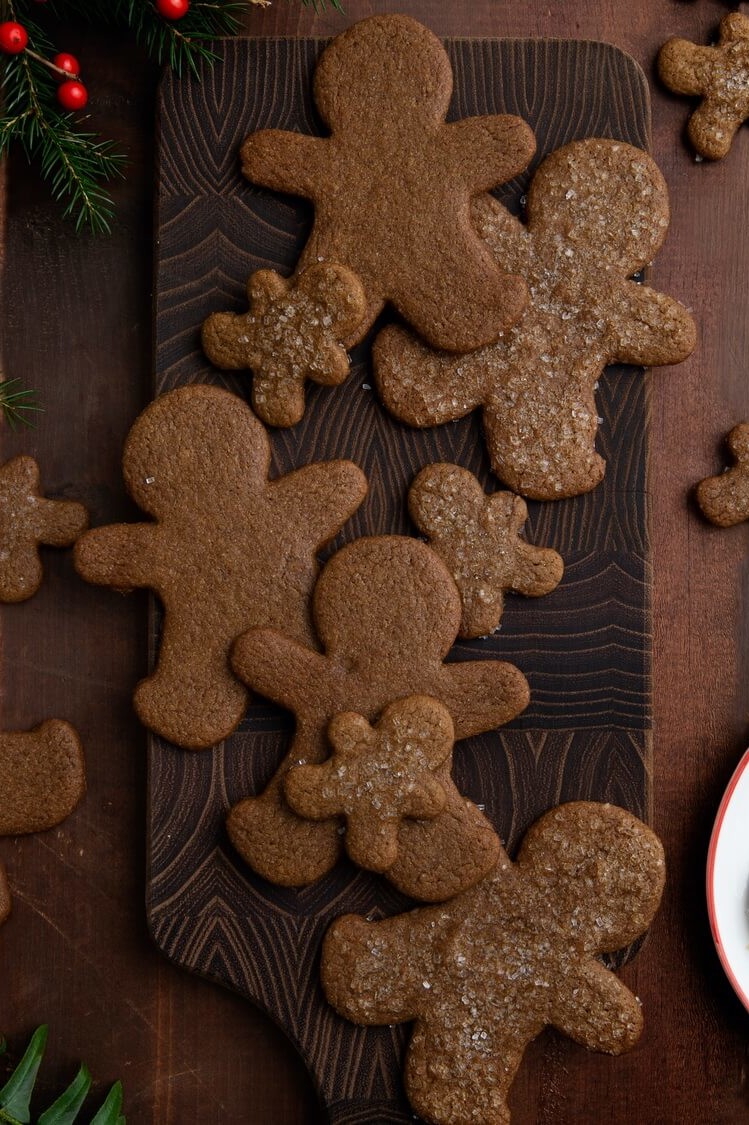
(392, 184)
(484, 974)
(724, 499)
(597, 213)
(720, 76)
(478, 536)
(292, 333)
(42, 779)
(387, 613)
(227, 549)
(27, 520)
(377, 776)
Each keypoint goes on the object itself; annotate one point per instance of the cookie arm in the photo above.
(483, 694)
(321, 497)
(282, 161)
(685, 67)
(598, 1011)
(60, 521)
(651, 328)
(373, 972)
(423, 387)
(492, 149)
(119, 555)
(280, 669)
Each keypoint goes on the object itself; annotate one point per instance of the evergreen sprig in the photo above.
(76, 163)
(16, 1094)
(17, 404)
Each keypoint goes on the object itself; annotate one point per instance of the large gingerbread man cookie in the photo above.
(392, 184)
(597, 213)
(228, 549)
(720, 76)
(387, 613)
(27, 520)
(484, 974)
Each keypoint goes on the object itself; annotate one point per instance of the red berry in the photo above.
(72, 95)
(13, 38)
(172, 9)
(68, 63)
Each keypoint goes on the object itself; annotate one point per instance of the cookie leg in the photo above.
(274, 841)
(451, 1071)
(192, 699)
(544, 449)
(439, 858)
(42, 777)
(712, 129)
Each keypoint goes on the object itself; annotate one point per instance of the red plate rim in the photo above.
(710, 878)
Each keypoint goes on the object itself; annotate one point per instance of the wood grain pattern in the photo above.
(585, 649)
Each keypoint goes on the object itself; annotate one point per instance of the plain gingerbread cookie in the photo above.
(28, 519)
(720, 76)
(392, 184)
(42, 779)
(597, 213)
(478, 537)
(227, 549)
(484, 974)
(387, 613)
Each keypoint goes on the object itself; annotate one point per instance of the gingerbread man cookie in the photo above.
(42, 779)
(478, 536)
(724, 499)
(720, 76)
(291, 333)
(597, 213)
(387, 613)
(385, 780)
(27, 520)
(392, 184)
(228, 549)
(484, 974)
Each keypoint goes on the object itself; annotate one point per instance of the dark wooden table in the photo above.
(76, 324)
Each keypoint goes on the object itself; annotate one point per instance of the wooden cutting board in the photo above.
(585, 649)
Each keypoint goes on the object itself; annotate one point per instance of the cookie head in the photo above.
(188, 438)
(387, 599)
(382, 62)
(604, 200)
(604, 871)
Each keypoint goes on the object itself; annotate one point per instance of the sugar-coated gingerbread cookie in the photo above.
(227, 549)
(724, 499)
(478, 537)
(484, 974)
(377, 776)
(387, 612)
(392, 184)
(292, 333)
(385, 779)
(720, 76)
(28, 519)
(597, 213)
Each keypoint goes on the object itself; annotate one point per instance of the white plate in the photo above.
(728, 881)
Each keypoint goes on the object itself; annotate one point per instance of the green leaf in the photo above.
(65, 1110)
(15, 1096)
(110, 1114)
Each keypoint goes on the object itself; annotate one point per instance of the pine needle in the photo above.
(17, 403)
